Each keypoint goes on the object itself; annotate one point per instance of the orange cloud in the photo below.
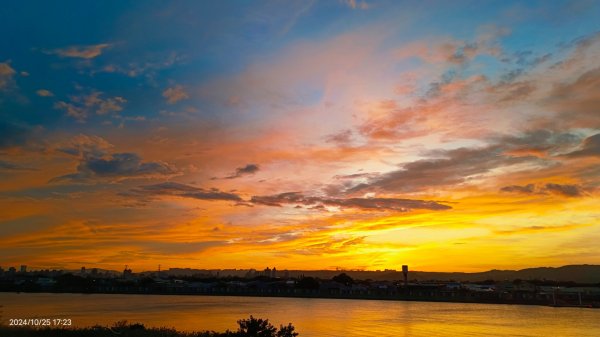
(85, 52)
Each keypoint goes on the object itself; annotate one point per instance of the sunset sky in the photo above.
(449, 136)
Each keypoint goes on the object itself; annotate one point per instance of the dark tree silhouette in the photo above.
(344, 279)
(256, 327)
(252, 327)
(308, 283)
(287, 331)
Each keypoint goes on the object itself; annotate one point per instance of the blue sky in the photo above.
(303, 132)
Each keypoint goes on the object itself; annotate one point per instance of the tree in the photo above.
(258, 327)
(308, 283)
(344, 279)
(287, 331)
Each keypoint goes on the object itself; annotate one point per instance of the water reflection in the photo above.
(312, 317)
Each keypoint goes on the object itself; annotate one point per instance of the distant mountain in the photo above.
(575, 273)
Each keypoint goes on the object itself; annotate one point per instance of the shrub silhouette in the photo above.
(344, 279)
(252, 327)
(287, 331)
(258, 327)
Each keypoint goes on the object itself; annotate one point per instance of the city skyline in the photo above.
(305, 134)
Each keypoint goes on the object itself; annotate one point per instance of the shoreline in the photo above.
(404, 298)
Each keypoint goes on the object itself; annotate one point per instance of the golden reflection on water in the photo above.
(312, 317)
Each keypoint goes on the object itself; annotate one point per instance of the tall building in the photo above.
(23, 268)
(405, 274)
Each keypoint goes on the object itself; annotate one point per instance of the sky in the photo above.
(359, 134)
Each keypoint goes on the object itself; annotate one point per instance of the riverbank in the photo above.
(251, 327)
(415, 295)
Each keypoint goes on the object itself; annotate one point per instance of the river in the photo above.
(311, 317)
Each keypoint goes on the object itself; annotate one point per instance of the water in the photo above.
(311, 317)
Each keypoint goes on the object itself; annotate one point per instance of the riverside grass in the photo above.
(251, 327)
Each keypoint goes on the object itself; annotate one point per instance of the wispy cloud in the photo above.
(183, 191)
(249, 169)
(590, 147)
(81, 107)
(382, 204)
(6, 75)
(44, 93)
(175, 94)
(9, 166)
(84, 52)
(98, 162)
(354, 4)
(565, 190)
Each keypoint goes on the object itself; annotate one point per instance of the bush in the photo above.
(252, 327)
(258, 327)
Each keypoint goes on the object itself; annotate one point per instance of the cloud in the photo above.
(80, 107)
(357, 175)
(242, 171)
(85, 145)
(343, 137)
(147, 66)
(85, 52)
(565, 190)
(6, 75)
(578, 102)
(456, 166)
(527, 189)
(175, 94)
(96, 161)
(539, 142)
(117, 166)
(183, 191)
(590, 147)
(560, 189)
(456, 52)
(44, 93)
(8, 166)
(383, 204)
(512, 91)
(536, 229)
(356, 4)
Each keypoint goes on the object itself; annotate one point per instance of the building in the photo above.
(23, 268)
(127, 272)
(251, 273)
